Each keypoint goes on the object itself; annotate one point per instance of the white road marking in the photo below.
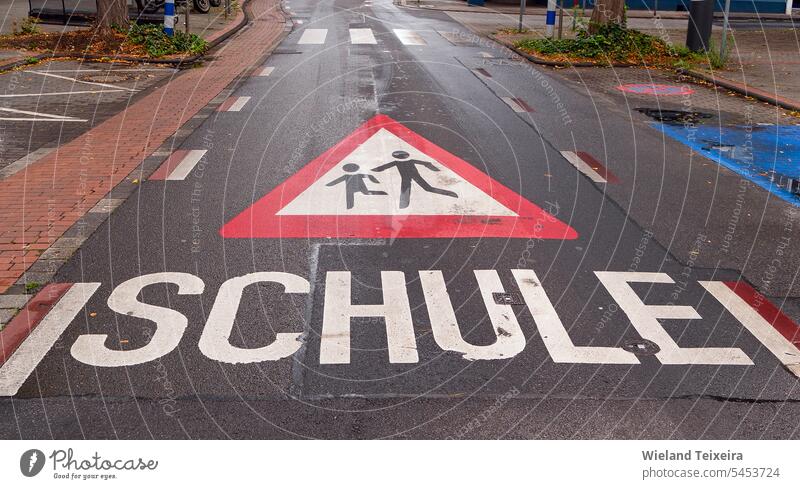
(321, 199)
(509, 339)
(362, 36)
(81, 81)
(23, 162)
(513, 104)
(759, 327)
(484, 54)
(582, 166)
(19, 367)
(44, 94)
(186, 165)
(644, 319)
(339, 309)
(409, 37)
(91, 349)
(238, 104)
(313, 36)
(38, 116)
(266, 71)
(215, 339)
(455, 37)
(553, 333)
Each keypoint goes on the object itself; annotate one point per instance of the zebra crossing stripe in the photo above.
(409, 37)
(362, 36)
(313, 36)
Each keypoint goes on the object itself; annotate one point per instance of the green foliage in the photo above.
(611, 43)
(29, 25)
(32, 286)
(512, 30)
(157, 43)
(716, 59)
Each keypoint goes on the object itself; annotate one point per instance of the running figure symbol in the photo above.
(408, 171)
(354, 183)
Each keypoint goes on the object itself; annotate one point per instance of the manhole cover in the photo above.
(108, 77)
(641, 347)
(655, 89)
(675, 116)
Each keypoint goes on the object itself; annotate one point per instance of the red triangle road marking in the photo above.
(464, 202)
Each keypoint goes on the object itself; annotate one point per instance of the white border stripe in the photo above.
(18, 368)
(238, 105)
(75, 80)
(266, 71)
(186, 165)
(583, 167)
(313, 36)
(513, 104)
(362, 36)
(759, 327)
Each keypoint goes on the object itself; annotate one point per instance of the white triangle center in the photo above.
(446, 193)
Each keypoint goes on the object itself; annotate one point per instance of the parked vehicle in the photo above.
(151, 6)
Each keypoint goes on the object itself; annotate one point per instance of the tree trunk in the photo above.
(606, 12)
(111, 13)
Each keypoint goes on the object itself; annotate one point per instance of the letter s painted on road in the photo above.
(90, 348)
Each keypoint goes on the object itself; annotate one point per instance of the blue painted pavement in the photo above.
(767, 155)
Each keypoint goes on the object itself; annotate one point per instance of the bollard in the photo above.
(701, 17)
(551, 17)
(169, 17)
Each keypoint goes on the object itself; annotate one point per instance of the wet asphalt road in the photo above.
(450, 91)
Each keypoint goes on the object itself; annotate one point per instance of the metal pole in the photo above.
(186, 22)
(725, 14)
(227, 8)
(521, 13)
(560, 18)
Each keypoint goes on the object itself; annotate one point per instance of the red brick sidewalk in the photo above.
(38, 205)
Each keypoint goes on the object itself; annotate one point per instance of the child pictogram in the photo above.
(354, 183)
(407, 168)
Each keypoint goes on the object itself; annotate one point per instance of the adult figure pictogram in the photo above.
(354, 183)
(409, 173)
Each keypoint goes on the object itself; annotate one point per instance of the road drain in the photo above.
(675, 116)
(507, 298)
(641, 347)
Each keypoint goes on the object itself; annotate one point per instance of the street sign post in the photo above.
(725, 16)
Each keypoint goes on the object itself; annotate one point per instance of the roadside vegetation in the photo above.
(135, 40)
(611, 43)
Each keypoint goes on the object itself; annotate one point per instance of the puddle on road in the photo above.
(767, 155)
(668, 116)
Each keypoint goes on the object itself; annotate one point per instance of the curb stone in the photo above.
(743, 89)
